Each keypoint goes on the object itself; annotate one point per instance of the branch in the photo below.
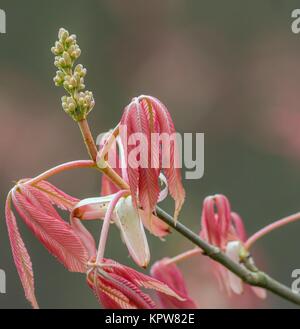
(254, 278)
(88, 139)
(257, 278)
(249, 275)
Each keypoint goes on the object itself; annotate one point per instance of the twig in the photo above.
(88, 139)
(259, 279)
(254, 278)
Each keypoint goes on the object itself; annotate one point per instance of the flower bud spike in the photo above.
(66, 51)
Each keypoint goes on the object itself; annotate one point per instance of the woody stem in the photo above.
(101, 164)
(88, 139)
(254, 278)
(258, 278)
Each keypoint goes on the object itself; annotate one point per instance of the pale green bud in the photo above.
(59, 46)
(54, 51)
(67, 58)
(56, 61)
(59, 78)
(71, 40)
(70, 82)
(79, 69)
(69, 105)
(86, 101)
(57, 81)
(63, 34)
(62, 62)
(58, 49)
(71, 49)
(76, 52)
(76, 76)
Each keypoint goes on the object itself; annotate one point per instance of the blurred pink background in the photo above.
(228, 69)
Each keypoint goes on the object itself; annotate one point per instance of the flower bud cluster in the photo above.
(79, 102)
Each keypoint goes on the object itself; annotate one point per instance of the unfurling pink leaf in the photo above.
(147, 117)
(20, 255)
(239, 226)
(114, 292)
(118, 286)
(57, 197)
(143, 179)
(218, 226)
(67, 202)
(172, 172)
(53, 232)
(225, 229)
(85, 236)
(155, 225)
(172, 276)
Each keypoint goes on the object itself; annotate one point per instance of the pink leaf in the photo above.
(57, 196)
(259, 292)
(155, 225)
(132, 172)
(85, 236)
(143, 179)
(145, 281)
(172, 276)
(115, 292)
(119, 286)
(20, 255)
(56, 235)
(173, 172)
(66, 202)
(239, 226)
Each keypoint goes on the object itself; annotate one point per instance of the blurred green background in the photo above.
(229, 69)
